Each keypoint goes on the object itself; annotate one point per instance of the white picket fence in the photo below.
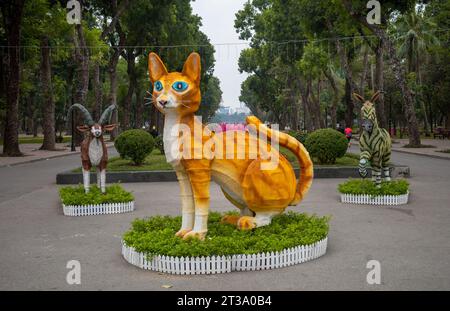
(224, 264)
(375, 200)
(98, 209)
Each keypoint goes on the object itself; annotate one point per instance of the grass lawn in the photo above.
(36, 140)
(157, 162)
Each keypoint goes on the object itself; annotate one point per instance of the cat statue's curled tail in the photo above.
(297, 148)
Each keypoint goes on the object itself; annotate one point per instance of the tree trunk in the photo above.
(333, 107)
(379, 85)
(48, 124)
(29, 114)
(422, 102)
(131, 87)
(12, 15)
(82, 77)
(447, 118)
(139, 109)
(114, 24)
(408, 103)
(97, 87)
(349, 102)
(315, 103)
(348, 85)
(112, 72)
(294, 105)
(308, 115)
(364, 71)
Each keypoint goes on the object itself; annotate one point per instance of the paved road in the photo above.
(28, 177)
(411, 243)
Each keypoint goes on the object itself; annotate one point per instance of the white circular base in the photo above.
(98, 209)
(224, 264)
(375, 200)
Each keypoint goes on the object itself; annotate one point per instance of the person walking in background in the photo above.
(348, 133)
(154, 131)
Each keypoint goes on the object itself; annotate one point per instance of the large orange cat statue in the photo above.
(260, 186)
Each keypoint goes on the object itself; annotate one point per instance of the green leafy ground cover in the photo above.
(76, 196)
(366, 186)
(156, 236)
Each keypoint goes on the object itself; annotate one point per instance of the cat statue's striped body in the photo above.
(260, 187)
(374, 143)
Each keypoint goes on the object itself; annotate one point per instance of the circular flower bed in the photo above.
(77, 203)
(364, 191)
(291, 238)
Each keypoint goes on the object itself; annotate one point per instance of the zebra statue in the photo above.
(374, 142)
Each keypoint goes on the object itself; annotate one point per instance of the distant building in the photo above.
(224, 110)
(241, 109)
(227, 110)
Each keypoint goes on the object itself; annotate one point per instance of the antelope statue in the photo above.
(93, 147)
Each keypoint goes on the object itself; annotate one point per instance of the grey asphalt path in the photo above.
(24, 178)
(411, 243)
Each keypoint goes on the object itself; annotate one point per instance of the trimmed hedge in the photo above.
(326, 145)
(76, 196)
(156, 236)
(299, 135)
(366, 186)
(134, 144)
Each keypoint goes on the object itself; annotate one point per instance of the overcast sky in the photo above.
(218, 24)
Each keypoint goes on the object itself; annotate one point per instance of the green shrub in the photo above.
(156, 235)
(299, 135)
(159, 143)
(76, 196)
(366, 186)
(326, 145)
(135, 145)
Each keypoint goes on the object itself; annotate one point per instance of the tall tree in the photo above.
(49, 105)
(356, 10)
(416, 38)
(46, 25)
(81, 59)
(12, 12)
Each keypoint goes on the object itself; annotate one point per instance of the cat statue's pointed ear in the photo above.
(156, 68)
(192, 67)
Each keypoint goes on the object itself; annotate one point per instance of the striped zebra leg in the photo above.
(376, 175)
(387, 174)
(363, 163)
(386, 170)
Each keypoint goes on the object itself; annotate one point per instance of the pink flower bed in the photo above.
(232, 127)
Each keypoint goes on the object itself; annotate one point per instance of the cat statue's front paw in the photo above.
(195, 235)
(182, 232)
(246, 223)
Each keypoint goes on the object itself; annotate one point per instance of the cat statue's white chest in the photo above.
(171, 138)
(95, 151)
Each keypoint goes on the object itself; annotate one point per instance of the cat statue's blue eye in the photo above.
(180, 86)
(158, 86)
